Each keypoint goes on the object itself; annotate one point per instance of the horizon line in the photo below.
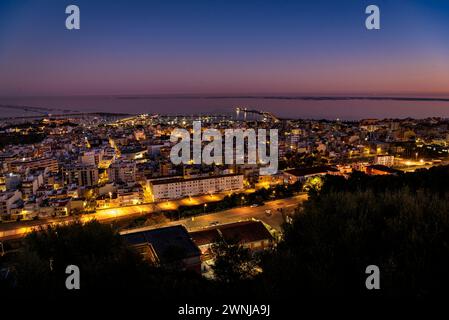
(441, 97)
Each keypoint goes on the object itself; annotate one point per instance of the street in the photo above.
(19, 229)
(274, 219)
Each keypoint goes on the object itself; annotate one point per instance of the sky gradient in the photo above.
(223, 47)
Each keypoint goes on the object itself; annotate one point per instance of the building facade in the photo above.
(384, 160)
(82, 176)
(178, 187)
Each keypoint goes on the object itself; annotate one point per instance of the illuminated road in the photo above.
(408, 165)
(19, 229)
(274, 218)
(137, 210)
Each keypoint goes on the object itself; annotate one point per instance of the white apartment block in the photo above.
(384, 160)
(179, 188)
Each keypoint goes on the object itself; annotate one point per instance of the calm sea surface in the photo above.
(282, 107)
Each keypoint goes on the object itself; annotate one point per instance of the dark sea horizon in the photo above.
(285, 106)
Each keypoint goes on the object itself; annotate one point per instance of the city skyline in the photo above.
(204, 155)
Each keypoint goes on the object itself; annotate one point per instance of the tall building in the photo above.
(122, 171)
(292, 139)
(82, 176)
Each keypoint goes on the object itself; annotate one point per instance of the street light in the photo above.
(204, 208)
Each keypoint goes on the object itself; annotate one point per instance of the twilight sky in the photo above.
(220, 47)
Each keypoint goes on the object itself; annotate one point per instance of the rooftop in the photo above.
(166, 241)
(245, 231)
(384, 168)
(179, 180)
(300, 172)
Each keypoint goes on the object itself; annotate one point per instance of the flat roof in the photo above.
(178, 180)
(245, 231)
(169, 243)
(384, 168)
(300, 172)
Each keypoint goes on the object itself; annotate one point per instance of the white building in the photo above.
(30, 184)
(129, 194)
(7, 199)
(180, 188)
(384, 160)
(91, 158)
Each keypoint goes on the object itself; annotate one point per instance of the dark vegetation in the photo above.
(18, 138)
(399, 223)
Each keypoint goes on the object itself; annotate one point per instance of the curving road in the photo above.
(274, 218)
(14, 230)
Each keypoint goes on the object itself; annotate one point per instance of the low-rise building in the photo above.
(62, 207)
(302, 174)
(251, 234)
(170, 247)
(378, 169)
(130, 194)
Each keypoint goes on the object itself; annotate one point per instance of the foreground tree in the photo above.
(96, 249)
(338, 234)
(233, 262)
(108, 266)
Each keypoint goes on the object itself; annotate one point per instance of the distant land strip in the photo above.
(307, 98)
(64, 115)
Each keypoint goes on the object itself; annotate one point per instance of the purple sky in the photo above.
(228, 47)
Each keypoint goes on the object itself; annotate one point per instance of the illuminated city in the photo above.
(196, 153)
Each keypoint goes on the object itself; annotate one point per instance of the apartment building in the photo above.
(35, 163)
(384, 160)
(31, 184)
(7, 200)
(179, 187)
(122, 171)
(91, 158)
(82, 176)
